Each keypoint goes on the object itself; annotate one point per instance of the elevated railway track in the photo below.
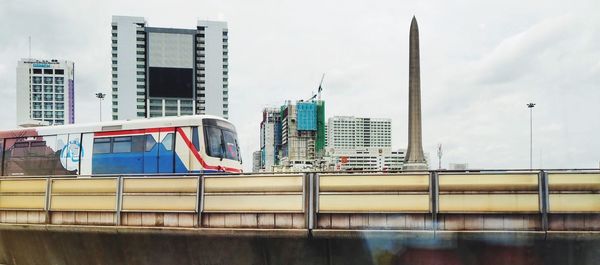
(318, 217)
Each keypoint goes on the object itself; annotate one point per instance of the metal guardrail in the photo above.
(433, 201)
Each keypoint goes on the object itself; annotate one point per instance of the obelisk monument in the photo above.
(414, 159)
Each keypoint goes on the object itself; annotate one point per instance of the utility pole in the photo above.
(530, 106)
(439, 154)
(100, 96)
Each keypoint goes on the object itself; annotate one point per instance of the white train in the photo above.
(188, 144)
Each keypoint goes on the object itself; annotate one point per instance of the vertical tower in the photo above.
(414, 160)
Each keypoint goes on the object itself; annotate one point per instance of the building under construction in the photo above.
(297, 136)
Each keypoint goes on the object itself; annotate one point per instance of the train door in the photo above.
(151, 153)
(166, 151)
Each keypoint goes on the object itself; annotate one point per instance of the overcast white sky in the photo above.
(481, 62)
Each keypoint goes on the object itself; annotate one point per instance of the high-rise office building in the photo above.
(270, 138)
(345, 132)
(169, 72)
(45, 92)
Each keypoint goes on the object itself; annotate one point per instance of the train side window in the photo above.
(196, 138)
(150, 142)
(121, 144)
(168, 142)
(138, 143)
(101, 145)
(20, 149)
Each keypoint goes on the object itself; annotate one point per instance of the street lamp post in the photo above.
(530, 106)
(100, 96)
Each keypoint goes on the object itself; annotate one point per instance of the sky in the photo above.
(481, 63)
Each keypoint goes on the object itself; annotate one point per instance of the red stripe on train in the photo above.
(133, 132)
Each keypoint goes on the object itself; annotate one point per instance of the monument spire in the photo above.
(414, 159)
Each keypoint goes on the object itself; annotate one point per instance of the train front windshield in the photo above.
(221, 139)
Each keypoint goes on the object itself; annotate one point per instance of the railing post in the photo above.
(201, 199)
(310, 194)
(433, 191)
(119, 200)
(48, 198)
(544, 198)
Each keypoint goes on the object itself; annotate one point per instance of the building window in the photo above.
(59, 71)
(37, 71)
(59, 80)
(48, 71)
(60, 106)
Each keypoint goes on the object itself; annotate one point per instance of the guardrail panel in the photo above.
(374, 203)
(23, 194)
(249, 183)
(488, 182)
(166, 194)
(255, 203)
(358, 183)
(23, 185)
(83, 203)
(573, 182)
(159, 203)
(488, 203)
(574, 203)
(84, 185)
(83, 194)
(22, 202)
(160, 185)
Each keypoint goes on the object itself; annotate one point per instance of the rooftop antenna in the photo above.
(29, 47)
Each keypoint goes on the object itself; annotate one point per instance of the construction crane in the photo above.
(318, 95)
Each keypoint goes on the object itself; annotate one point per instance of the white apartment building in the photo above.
(45, 92)
(169, 72)
(366, 159)
(355, 143)
(346, 132)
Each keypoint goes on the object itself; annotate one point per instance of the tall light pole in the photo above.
(530, 106)
(100, 96)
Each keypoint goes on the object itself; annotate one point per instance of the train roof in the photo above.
(159, 122)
